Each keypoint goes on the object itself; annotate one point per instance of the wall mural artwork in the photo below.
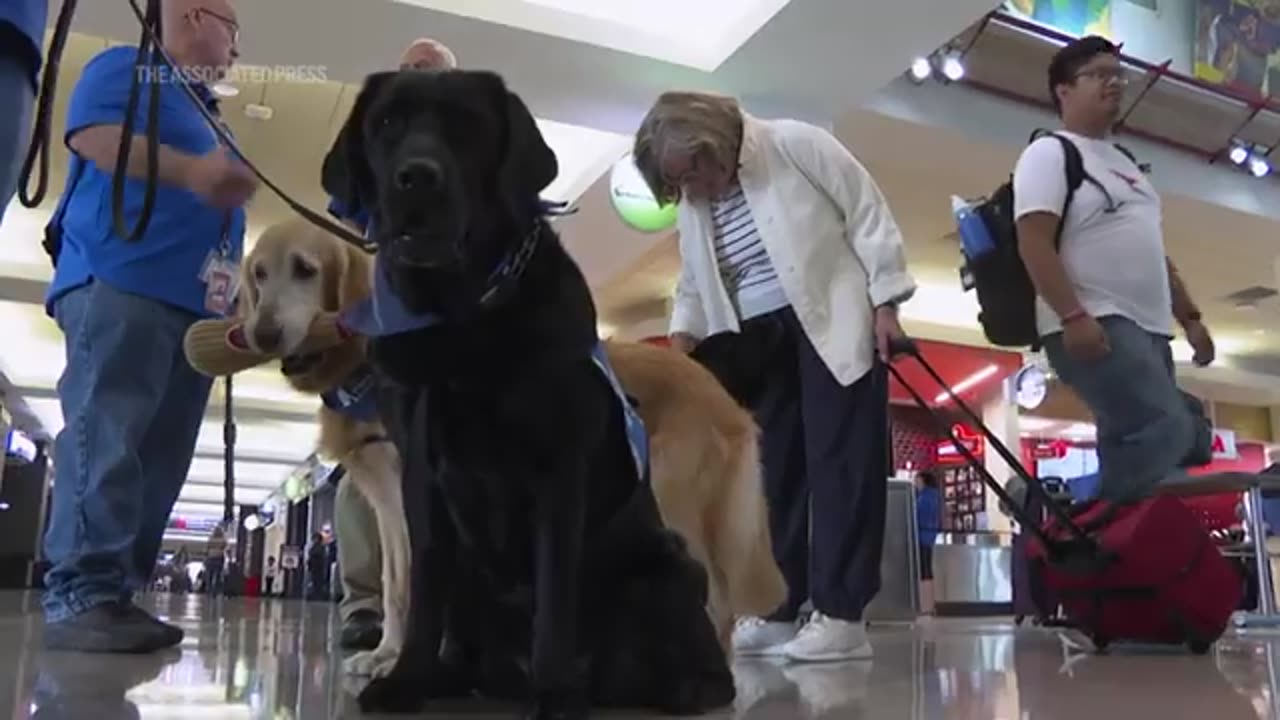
(1077, 17)
(1238, 44)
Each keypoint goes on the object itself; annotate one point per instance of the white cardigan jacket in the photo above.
(828, 232)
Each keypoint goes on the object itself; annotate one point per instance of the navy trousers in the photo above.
(825, 449)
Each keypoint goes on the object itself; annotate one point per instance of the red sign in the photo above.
(1224, 445)
(1049, 450)
(946, 453)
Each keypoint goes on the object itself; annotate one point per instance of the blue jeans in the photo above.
(18, 98)
(132, 409)
(1145, 426)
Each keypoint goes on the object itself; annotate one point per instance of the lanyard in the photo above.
(224, 237)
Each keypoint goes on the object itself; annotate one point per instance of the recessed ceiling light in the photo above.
(226, 90)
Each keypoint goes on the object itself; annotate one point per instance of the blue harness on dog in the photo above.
(383, 314)
(355, 397)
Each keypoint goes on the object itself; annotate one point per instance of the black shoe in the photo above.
(361, 631)
(111, 628)
(172, 634)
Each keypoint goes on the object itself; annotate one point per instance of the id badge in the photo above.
(221, 282)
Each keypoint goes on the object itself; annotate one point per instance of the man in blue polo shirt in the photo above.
(131, 404)
(21, 38)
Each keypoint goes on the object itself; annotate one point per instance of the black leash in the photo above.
(38, 150)
(151, 58)
(228, 458)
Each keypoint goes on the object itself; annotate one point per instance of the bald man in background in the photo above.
(359, 550)
(132, 406)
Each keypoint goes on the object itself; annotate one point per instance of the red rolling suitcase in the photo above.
(1145, 572)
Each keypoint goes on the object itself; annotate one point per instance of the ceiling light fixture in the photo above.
(921, 69)
(953, 67)
(1251, 157)
(225, 89)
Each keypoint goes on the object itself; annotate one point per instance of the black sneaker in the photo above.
(110, 628)
(362, 630)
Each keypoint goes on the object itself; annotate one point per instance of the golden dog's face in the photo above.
(295, 273)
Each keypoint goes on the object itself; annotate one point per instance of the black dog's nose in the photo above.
(419, 174)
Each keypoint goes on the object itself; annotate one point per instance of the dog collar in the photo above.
(384, 314)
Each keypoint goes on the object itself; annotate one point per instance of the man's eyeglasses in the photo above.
(232, 26)
(1106, 75)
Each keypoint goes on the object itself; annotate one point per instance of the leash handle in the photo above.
(42, 129)
(228, 456)
(310, 215)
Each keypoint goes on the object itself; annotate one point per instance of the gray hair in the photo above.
(691, 123)
(443, 57)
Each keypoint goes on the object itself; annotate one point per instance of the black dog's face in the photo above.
(450, 164)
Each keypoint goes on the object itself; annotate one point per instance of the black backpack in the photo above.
(1006, 295)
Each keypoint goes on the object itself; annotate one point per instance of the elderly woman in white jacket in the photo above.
(792, 270)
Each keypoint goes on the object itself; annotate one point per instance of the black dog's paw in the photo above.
(395, 693)
(559, 706)
(697, 696)
(406, 693)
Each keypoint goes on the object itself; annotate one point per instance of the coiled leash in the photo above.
(151, 57)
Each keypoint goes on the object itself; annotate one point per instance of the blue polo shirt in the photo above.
(165, 264)
(27, 18)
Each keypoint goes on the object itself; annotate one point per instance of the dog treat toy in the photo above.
(218, 347)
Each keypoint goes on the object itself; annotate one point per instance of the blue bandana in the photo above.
(355, 397)
(384, 314)
(637, 437)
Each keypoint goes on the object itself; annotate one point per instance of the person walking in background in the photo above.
(791, 259)
(22, 24)
(132, 405)
(928, 523)
(1107, 293)
(215, 561)
(317, 568)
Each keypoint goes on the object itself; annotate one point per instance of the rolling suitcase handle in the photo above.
(906, 346)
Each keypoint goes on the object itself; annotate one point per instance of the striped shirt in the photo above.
(748, 274)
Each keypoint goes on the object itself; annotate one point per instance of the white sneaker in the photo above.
(826, 639)
(757, 637)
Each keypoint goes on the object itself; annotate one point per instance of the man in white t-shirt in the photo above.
(1108, 295)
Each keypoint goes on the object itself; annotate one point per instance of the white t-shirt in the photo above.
(1115, 259)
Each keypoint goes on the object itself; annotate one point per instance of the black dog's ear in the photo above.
(347, 175)
(528, 165)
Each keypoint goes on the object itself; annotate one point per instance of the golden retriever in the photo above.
(705, 465)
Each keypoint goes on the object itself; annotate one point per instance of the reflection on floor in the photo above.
(276, 660)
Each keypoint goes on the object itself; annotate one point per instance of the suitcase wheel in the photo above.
(1199, 647)
(1100, 644)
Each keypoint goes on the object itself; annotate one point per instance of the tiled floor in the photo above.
(275, 660)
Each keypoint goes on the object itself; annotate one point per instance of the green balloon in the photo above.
(633, 201)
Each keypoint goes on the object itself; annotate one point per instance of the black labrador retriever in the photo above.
(542, 570)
